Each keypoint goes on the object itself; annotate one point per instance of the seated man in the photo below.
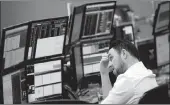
(133, 78)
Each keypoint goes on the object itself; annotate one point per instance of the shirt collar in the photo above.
(136, 68)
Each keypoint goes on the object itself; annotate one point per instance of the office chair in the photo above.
(158, 95)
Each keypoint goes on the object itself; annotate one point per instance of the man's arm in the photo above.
(106, 84)
(121, 93)
(104, 72)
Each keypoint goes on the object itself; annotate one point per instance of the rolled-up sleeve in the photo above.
(121, 92)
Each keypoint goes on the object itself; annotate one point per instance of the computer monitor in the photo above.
(92, 54)
(76, 63)
(47, 37)
(162, 18)
(47, 80)
(146, 49)
(162, 49)
(13, 43)
(125, 32)
(14, 87)
(92, 20)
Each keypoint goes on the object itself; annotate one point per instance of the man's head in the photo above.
(122, 55)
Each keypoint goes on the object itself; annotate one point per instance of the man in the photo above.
(133, 78)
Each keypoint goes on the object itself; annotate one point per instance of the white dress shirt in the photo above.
(130, 86)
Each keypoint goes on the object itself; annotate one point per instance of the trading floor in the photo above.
(51, 51)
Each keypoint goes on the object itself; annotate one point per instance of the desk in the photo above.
(91, 95)
(163, 75)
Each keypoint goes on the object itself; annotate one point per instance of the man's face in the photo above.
(115, 62)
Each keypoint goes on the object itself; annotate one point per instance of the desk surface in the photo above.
(91, 96)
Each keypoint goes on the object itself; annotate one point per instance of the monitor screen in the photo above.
(14, 46)
(47, 37)
(47, 66)
(98, 19)
(163, 16)
(76, 26)
(92, 54)
(162, 49)
(128, 33)
(47, 79)
(49, 46)
(14, 87)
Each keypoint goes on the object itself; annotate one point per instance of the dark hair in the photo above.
(124, 44)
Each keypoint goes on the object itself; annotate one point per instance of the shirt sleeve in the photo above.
(121, 92)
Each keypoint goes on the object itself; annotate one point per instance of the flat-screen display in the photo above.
(162, 49)
(125, 32)
(46, 90)
(47, 66)
(93, 19)
(98, 19)
(128, 33)
(49, 46)
(14, 46)
(47, 79)
(14, 87)
(47, 37)
(92, 54)
(163, 17)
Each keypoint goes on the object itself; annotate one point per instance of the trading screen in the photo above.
(47, 79)
(14, 47)
(162, 49)
(47, 38)
(92, 54)
(98, 19)
(163, 15)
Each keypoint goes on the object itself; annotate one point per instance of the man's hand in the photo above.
(104, 71)
(104, 65)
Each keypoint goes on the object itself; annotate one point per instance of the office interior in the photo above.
(51, 50)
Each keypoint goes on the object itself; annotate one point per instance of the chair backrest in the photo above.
(158, 95)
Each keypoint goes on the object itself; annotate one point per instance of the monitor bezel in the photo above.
(83, 21)
(50, 56)
(122, 26)
(156, 53)
(62, 72)
(90, 74)
(154, 32)
(102, 35)
(13, 68)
